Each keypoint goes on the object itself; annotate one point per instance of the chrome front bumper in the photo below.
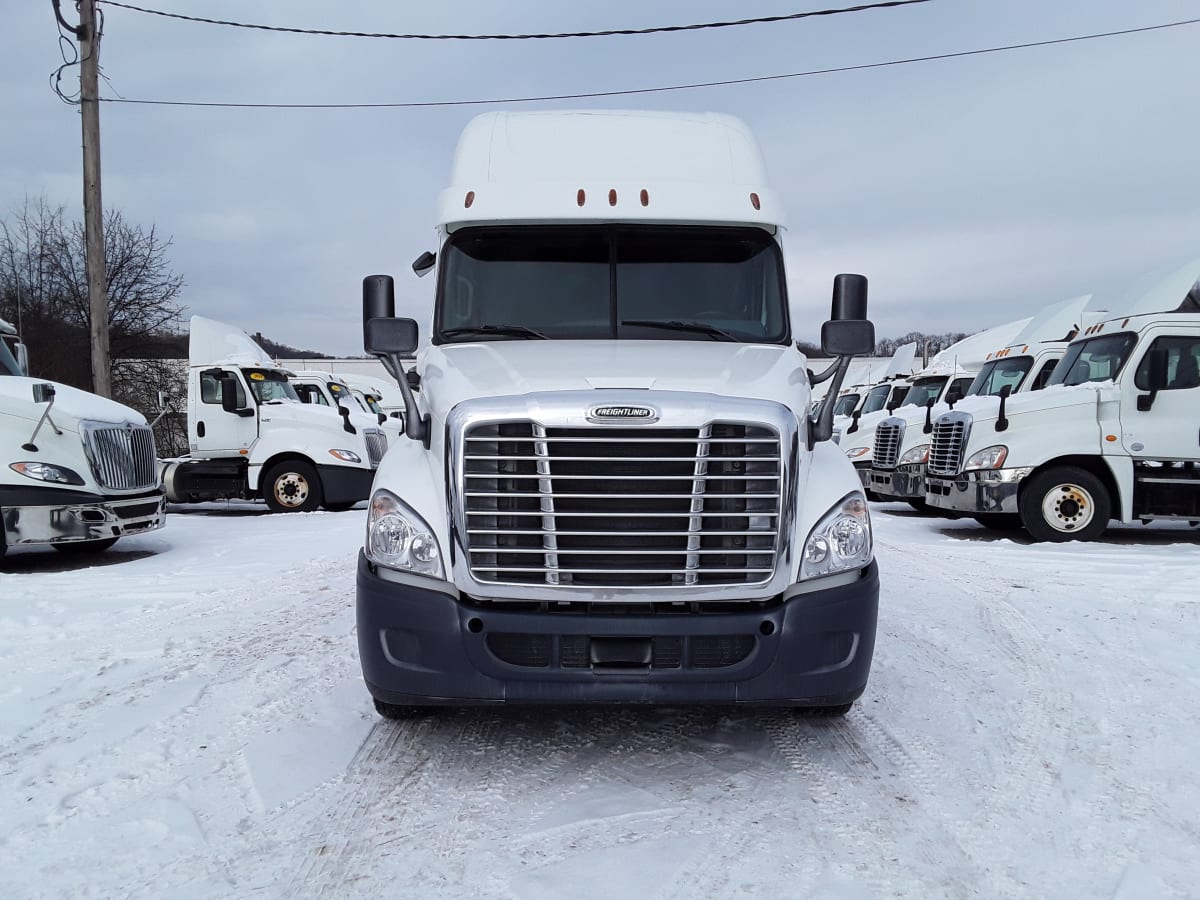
(902, 482)
(977, 491)
(62, 523)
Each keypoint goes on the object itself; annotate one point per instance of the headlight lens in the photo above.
(346, 456)
(916, 456)
(988, 458)
(46, 472)
(841, 541)
(400, 539)
(857, 452)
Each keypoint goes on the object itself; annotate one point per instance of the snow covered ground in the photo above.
(184, 718)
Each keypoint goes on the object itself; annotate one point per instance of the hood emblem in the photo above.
(621, 413)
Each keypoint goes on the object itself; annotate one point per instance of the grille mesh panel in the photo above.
(622, 507)
(887, 445)
(376, 446)
(945, 450)
(122, 457)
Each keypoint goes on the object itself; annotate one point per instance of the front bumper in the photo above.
(52, 516)
(901, 483)
(345, 484)
(977, 491)
(421, 646)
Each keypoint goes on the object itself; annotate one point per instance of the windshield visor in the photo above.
(1096, 359)
(268, 385)
(584, 281)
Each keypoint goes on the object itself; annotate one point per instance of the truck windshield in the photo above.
(8, 362)
(845, 405)
(1000, 373)
(925, 389)
(695, 283)
(268, 385)
(876, 398)
(1096, 359)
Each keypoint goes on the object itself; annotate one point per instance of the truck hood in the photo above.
(457, 372)
(1048, 398)
(16, 399)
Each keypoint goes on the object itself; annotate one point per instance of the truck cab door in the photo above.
(213, 431)
(1169, 429)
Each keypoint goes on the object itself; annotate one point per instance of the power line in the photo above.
(883, 4)
(427, 104)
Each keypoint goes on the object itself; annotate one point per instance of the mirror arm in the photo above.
(416, 426)
(820, 426)
(825, 375)
(929, 416)
(1145, 402)
(1001, 418)
(31, 446)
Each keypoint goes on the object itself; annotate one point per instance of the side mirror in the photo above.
(1156, 373)
(382, 418)
(43, 393)
(162, 401)
(954, 395)
(413, 377)
(848, 331)
(385, 336)
(229, 398)
(423, 264)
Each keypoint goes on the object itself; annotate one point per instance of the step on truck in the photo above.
(611, 489)
(250, 437)
(77, 471)
(1115, 435)
(897, 470)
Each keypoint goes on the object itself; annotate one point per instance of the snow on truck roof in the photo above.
(608, 165)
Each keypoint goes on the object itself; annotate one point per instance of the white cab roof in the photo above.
(1161, 291)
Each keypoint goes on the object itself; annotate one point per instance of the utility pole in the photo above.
(93, 209)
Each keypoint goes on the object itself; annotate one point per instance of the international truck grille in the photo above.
(122, 457)
(619, 507)
(376, 445)
(946, 448)
(888, 435)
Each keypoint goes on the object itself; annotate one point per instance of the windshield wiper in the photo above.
(717, 334)
(512, 330)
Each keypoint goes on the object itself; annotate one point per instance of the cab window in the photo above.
(1183, 363)
(211, 387)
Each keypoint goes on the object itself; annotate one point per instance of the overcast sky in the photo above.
(970, 191)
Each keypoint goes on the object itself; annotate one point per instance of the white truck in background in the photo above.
(77, 471)
(611, 489)
(879, 392)
(250, 436)
(948, 375)
(897, 470)
(1114, 435)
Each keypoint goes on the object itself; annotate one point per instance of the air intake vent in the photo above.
(621, 507)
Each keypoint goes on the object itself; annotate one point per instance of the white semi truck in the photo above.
(611, 489)
(1114, 435)
(897, 470)
(77, 471)
(250, 436)
(948, 375)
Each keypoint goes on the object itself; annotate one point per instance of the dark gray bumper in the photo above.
(423, 647)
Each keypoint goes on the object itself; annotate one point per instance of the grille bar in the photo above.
(122, 457)
(888, 435)
(947, 443)
(376, 445)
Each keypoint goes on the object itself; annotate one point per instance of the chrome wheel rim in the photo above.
(1068, 508)
(291, 489)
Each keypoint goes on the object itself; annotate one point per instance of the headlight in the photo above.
(987, 458)
(916, 456)
(841, 541)
(857, 452)
(400, 539)
(346, 456)
(46, 472)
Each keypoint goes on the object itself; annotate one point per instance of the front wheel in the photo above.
(396, 712)
(1065, 503)
(291, 486)
(82, 547)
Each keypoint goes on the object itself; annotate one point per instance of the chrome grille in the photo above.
(887, 443)
(621, 507)
(122, 457)
(376, 445)
(946, 447)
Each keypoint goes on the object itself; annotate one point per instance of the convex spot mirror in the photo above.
(848, 337)
(384, 336)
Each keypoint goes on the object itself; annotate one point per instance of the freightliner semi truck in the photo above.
(1115, 435)
(611, 488)
(77, 471)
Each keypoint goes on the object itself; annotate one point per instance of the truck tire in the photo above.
(338, 507)
(291, 486)
(1064, 503)
(397, 713)
(81, 547)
